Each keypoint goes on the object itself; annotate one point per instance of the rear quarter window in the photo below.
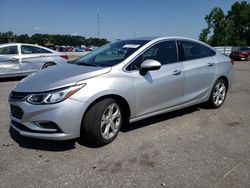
(194, 50)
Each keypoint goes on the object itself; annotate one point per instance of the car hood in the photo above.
(58, 76)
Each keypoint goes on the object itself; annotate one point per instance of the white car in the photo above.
(18, 59)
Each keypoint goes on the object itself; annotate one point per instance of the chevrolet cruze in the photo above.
(123, 81)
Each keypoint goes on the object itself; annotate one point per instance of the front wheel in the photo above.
(102, 122)
(218, 94)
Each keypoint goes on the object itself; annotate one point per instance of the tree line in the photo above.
(48, 39)
(231, 29)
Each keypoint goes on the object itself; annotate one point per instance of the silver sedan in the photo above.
(103, 90)
(18, 59)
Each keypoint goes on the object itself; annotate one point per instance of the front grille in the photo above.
(17, 96)
(16, 111)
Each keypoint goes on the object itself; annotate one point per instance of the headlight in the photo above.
(54, 96)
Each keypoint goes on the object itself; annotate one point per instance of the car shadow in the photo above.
(46, 145)
(11, 79)
(159, 118)
(39, 144)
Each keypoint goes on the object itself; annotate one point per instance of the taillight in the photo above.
(232, 61)
(64, 56)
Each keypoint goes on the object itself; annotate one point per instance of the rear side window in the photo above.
(43, 51)
(8, 50)
(164, 52)
(25, 49)
(194, 50)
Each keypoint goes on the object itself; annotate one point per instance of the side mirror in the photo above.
(149, 65)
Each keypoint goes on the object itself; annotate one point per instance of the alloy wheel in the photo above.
(111, 121)
(219, 93)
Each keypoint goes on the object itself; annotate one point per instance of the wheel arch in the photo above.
(49, 62)
(225, 79)
(121, 101)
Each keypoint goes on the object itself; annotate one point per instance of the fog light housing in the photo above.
(49, 126)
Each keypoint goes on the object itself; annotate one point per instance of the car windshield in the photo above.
(111, 54)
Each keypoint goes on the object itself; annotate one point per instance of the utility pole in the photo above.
(98, 18)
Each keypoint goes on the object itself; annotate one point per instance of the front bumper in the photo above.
(67, 116)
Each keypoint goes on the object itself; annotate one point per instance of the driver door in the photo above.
(160, 89)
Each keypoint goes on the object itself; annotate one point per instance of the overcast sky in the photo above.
(118, 19)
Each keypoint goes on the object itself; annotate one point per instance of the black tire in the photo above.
(46, 65)
(91, 125)
(211, 102)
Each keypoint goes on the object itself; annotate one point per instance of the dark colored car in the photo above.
(61, 49)
(68, 50)
(241, 53)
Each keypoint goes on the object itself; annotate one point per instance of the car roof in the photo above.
(17, 43)
(150, 38)
(159, 38)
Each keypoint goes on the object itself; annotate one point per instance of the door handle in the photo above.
(14, 59)
(176, 72)
(210, 64)
(42, 56)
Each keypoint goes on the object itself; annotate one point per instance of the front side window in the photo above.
(8, 50)
(111, 54)
(164, 52)
(25, 49)
(194, 50)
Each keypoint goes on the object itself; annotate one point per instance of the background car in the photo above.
(241, 53)
(93, 48)
(68, 49)
(17, 59)
(61, 49)
(78, 50)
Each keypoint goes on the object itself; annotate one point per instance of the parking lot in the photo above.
(194, 147)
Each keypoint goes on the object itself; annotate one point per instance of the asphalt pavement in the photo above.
(193, 147)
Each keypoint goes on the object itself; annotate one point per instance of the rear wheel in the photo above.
(218, 94)
(102, 122)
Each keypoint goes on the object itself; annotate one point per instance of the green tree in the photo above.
(43, 39)
(23, 38)
(6, 37)
(240, 17)
(231, 29)
(217, 25)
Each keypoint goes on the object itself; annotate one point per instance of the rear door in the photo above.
(9, 61)
(199, 70)
(33, 58)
